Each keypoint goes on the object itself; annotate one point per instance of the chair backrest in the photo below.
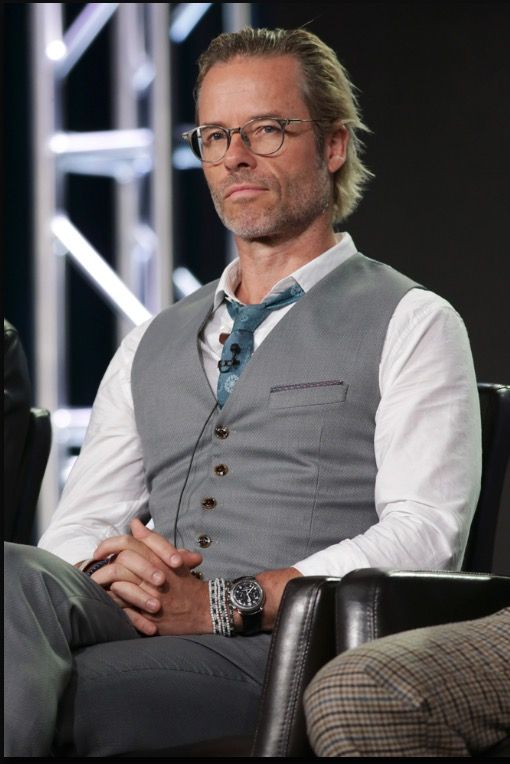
(495, 414)
(27, 443)
(33, 465)
(372, 603)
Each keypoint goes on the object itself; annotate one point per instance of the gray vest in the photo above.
(287, 467)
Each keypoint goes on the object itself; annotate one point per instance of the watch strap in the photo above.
(252, 623)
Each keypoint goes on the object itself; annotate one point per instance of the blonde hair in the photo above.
(327, 92)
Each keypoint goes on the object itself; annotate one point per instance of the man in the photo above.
(350, 439)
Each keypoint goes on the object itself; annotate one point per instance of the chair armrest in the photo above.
(303, 640)
(370, 603)
(373, 603)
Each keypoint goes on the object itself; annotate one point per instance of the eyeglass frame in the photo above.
(230, 131)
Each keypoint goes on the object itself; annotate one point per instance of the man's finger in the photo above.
(122, 545)
(174, 558)
(113, 545)
(186, 557)
(135, 563)
(159, 545)
(141, 624)
(132, 567)
(116, 599)
(136, 597)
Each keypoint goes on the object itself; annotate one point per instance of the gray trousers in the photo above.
(81, 681)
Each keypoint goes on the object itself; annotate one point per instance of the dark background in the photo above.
(434, 89)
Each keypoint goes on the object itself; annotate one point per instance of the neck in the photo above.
(264, 262)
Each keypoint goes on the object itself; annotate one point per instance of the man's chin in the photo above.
(252, 230)
(257, 233)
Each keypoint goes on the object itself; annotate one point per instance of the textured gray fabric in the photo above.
(65, 639)
(301, 419)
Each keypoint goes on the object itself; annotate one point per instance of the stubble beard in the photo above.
(309, 197)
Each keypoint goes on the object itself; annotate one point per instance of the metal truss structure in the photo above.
(136, 154)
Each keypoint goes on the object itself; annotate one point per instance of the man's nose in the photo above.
(238, 153)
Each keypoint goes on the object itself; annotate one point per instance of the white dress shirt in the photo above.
(427, 439)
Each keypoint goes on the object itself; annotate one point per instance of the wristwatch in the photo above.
(247, 597)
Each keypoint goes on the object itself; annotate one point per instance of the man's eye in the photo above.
(214, 137)
(267, 129)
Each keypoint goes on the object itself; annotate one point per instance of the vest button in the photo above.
(198, 574)
(204, 541)
(208, 502)
(221, 431)
(221, 469)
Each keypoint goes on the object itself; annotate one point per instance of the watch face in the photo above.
(247, 595)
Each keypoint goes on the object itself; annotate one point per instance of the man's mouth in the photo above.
(243, 190)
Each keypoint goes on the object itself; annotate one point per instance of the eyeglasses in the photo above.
(262, 135)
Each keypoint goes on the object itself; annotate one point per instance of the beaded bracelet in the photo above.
(100, 564)
(222, 616)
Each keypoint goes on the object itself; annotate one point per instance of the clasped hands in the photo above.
(153, 582)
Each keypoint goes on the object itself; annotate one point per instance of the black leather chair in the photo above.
(33, 465)
(372, 603)
(27, 443)
(495, 415)
(322, 616)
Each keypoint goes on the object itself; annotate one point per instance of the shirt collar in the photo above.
(306, 276)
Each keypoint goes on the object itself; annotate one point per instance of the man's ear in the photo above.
(336, 147)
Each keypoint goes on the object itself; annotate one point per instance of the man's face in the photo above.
(264, 197)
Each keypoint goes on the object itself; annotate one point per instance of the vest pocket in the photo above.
(308, 394)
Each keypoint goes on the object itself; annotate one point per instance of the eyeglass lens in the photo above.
(262, 136)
